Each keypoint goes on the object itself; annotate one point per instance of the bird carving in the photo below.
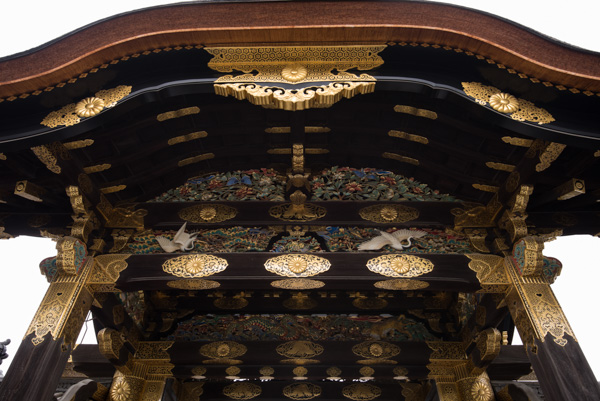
(182, 241)
(398, 240)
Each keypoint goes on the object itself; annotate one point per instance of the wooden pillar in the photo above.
(43, 354)
(557, 359)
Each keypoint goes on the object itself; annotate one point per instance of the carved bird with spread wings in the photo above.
(398, 240)
(182, 241)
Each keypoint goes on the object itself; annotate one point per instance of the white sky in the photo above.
(27, 24)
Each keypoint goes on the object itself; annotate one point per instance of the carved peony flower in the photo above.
(480, 391)
(120, 391)
(297, 265)
(294, 73)
(89, 107)
(504, 103)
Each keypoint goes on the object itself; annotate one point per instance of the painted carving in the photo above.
(300, 328)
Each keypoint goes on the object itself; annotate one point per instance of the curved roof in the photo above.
(252, 23)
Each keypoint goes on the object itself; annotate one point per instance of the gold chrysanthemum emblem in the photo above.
(195, 266)
(120, 391)
(388, 213)
(504, 103)
(297, 265)
(89, 107)
(400, 265)
(480, 391)
(223, 350)
(376, 350)
(208, 213)
(294, 73)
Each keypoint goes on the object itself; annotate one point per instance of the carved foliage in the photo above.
(490, 272)
(297, 265)
(194, 266)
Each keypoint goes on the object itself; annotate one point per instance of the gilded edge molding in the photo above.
(295, 64)
(402, 266)
(273, 97)
(518, 109)
(297, 265)
(68, 115)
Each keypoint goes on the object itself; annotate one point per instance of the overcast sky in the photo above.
(27, 24)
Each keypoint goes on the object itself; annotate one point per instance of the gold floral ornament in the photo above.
(361, 392)
(300, 349)
(294, 73)
(302, 391)
(242, 391)
(389, 213)
(400, 266)
(518, 109)
(299, 265)
(120, 391)
(297, 284)
(207, 213)
(194, 266)
(504, 103)
(401, 284)
(89, 107)
(481, 391)
(193, 284)
(71, 114)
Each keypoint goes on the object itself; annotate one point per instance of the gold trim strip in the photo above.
(178, 113)
(432, 115)
(78, 144)
(195, 159)
(97, 168)
(500, 166)
(187, 137)
(400, 158)
(114, 188)
(408, 137)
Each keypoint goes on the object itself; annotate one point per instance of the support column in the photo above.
(560, 366)
(43, 354)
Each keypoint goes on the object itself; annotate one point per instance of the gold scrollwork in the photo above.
(361, 392)
(300, 301)
(400, 266)
(548, 155)
(207, 213)
(297, 265)
(96, 168)
(69, 114)
(231, 302)
(517, 141)
(46, 155)
(299, 349)
(490, 272)
(194, 266)
(195, 159)
(242, 391)
(78, 144)
(273, 97)
(106, 271)
(389, 213)
(401, 284)
(193, 284)
(295, 64)
(518, 109)
(297, 284)
(302, 391)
